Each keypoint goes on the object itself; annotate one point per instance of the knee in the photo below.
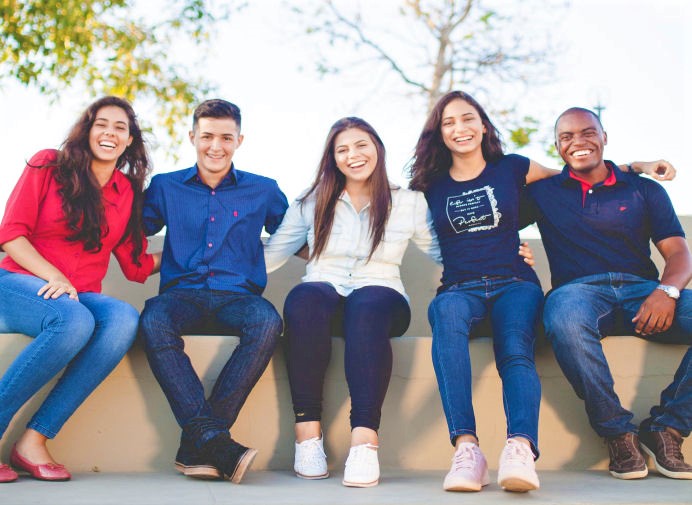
(74, 323)
(263, 323)
(155, 330)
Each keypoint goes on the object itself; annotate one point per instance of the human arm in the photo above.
(658, 310)
(660, 170)
(25, 255)
(526, 252)
(289, 238)
(149, 263)
(424, 235)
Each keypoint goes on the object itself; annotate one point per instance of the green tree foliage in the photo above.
(489, 48)
(109, 47)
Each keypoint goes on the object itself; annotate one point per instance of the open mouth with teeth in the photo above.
(357, 164)
(463, 139)
(107, 145)
(581, 153)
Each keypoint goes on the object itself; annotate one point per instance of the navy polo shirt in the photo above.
(213, 235)
(606, 229)
(477, 222)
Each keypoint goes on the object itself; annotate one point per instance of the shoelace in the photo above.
(464, 459)
(515, 453)
(361, 455)
(314, 454)
(671, 446)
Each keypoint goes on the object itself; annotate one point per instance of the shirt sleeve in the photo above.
(152, 213)
(123, 253)
(664, 221)
(276, 210)
(288, 239)
(424, 235)
(23, 205)
(520, 168)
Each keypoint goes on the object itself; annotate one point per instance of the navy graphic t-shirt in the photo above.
(477, 222)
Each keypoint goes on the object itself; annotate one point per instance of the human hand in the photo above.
(527, 253)
(655, 314)
(660, 170)
(56, 287)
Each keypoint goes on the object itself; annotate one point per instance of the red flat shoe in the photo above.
(48, 471)
(7, 474)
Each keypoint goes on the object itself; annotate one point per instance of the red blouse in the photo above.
(34, 210)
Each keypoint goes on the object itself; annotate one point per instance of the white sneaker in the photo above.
(517, 471)
(310, 460)
(362, 467)
(469, 470)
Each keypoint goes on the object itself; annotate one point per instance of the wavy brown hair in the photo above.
(330, 183)
(432, 159)
(81, 193)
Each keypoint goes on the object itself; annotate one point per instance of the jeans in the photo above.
(513, 306)
(367, 318)
(87, 338)
(177, 312)
(579, 314)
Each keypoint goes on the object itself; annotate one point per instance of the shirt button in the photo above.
(213, 193)
(590, 191)
(211, 274)
(210, 245)
(212, 219)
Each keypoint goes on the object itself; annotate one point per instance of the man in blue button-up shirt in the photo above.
(212, 278)
(596, 223)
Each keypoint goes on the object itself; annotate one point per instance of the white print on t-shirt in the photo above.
(473, 210)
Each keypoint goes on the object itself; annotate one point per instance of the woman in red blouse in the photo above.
(69, 210)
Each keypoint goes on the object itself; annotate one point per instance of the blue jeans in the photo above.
(367, 318)
(579, 314)
(87, 338)
(513, 306)
(177, 312)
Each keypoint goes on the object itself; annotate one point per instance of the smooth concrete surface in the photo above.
(397, 487)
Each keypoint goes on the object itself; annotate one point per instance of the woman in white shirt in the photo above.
(357, 226)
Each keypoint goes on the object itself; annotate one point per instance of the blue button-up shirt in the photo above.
(213, 234)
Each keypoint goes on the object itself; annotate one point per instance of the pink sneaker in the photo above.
(469, 470)
(517, 471)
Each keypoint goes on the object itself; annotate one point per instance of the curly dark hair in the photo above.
(81, 192)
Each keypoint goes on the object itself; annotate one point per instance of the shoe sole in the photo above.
(517, 485)
(360, 484)
(312, 477)
(661, 469)
(243, 465)
(204, 472)
(468, 485)
(639, 474)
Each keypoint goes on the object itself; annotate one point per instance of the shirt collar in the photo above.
(615, 176)
(231, 177)
(116, 182)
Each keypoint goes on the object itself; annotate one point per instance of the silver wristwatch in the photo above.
(671, 291)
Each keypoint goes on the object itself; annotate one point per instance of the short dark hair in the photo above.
(216, 108)
(576, 109)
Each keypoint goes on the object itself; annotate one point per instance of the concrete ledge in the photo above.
(126, 425)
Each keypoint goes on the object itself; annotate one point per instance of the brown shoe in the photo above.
(626, 460)
(664, 448)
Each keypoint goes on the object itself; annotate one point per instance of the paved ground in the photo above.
(281, 488)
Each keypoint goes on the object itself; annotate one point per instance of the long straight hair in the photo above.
(80, 191)
(329, 184)
(432, 159)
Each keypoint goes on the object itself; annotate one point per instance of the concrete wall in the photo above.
(126, 425)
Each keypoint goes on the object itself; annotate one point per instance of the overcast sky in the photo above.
(633, 55)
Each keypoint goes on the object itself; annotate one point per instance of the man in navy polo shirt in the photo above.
(212, 278)
(596, 223)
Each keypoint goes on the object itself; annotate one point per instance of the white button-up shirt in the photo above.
(344, 261)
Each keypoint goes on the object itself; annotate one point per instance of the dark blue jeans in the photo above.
(367, 318)
(513, 306)
(184, 311)
(579, 314)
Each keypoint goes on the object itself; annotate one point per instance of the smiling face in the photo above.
(461, 127)
(355, 154)
(109, 135)
(580, 140)
(216, 141)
